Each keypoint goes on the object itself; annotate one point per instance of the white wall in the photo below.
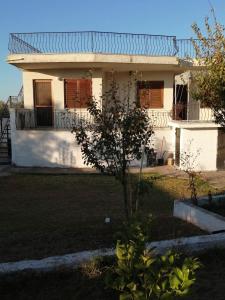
(202, 218)
(204, 141)
(162, 142)
(58, 148)
(46, 149)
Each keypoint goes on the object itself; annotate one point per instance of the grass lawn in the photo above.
(88, 283)
(44, 215)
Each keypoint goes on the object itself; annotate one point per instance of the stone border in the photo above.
(74, 260)
(199, 216)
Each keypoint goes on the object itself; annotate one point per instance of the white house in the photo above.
(59, 68)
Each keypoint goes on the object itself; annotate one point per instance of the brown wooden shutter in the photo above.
(150, 94)
(77, 93)
(70, 93)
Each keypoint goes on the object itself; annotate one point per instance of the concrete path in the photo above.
(56, 171)
(163, 170)
(214, 178)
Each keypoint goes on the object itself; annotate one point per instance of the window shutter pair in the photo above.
(150, 94)
(78, 93)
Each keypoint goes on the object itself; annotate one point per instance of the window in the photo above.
(78, 93)
(150, 94)
(42, 93)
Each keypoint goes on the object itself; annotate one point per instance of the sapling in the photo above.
(119, 133)
(188, 161)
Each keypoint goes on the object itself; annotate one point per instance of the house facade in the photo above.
(62, 70)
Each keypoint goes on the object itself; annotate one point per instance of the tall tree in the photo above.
(209, 82)
(119, 134)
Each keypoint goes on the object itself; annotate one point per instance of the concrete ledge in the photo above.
(198, 216)
(90, 57)
(74, 260)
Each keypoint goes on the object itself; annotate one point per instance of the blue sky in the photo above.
(169, 17)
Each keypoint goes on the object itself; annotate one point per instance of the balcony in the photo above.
(100, 43)
(192, 112)
(48, 119)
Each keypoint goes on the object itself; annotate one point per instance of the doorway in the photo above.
(43, 103)
(180, 102)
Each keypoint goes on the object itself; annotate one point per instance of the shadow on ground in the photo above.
(46, 215)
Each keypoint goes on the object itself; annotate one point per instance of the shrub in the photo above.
(141, 274)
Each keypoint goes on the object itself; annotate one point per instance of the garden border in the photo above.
(204, 219)
(74, 260)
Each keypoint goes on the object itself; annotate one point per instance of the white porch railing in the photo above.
(66, 119)
(48, 118)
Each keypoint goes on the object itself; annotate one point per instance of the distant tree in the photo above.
(3, 107)
(119, 134)
(209, 82)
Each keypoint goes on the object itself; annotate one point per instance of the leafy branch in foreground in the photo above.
(140, 274)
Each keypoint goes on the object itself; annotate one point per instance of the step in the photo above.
(4, 141)
(4, 155)
(3, 149)
(3, 145)
(5, 161)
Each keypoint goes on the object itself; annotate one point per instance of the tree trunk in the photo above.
(125, 195)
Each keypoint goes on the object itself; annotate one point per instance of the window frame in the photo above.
(149, 82)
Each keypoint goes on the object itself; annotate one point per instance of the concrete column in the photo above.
(13, 132)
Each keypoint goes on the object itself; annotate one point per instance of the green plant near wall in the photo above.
(140, 274)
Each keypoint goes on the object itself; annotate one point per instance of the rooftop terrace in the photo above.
(100, 42)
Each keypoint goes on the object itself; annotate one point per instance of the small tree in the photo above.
(209, 83)
(189, 163)
(140, 274)
(119, 134)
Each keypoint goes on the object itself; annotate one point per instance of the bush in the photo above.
(141, 274)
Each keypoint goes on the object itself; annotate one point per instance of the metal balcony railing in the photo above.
(99, 42)
(66, 119)
(49, 118)
(192, 112)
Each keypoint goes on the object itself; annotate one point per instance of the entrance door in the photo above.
(43, 103)
(180, 105)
